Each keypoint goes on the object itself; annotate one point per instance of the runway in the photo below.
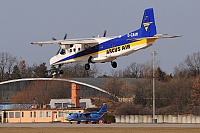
(36, 125)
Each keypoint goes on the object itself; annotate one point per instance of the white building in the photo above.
(67, 103)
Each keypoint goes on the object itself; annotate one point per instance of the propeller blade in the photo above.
(58, 51)
(65, 37)
(54, 39)
(104, 34)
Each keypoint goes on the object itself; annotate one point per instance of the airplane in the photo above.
(106, 49)
(93, 117)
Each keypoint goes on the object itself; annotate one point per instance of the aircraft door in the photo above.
(77, 48)
(111, 49)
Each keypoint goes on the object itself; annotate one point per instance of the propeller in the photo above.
(104, 34)
(65, 37)
(54, 39)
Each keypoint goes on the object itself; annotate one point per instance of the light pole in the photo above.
(153, 63)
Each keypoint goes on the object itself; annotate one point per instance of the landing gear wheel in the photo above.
(114, 64)
(87, 66)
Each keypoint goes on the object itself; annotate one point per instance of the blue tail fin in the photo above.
(148, 26)
(103, 109)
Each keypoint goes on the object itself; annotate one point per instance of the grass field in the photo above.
(97, 130)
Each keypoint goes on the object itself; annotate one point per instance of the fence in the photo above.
(160, 119)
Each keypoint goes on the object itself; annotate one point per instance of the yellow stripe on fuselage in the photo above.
(132, 44)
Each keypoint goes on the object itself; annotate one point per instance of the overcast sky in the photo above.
(26, 21)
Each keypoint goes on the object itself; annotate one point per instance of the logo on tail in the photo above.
(146, 25)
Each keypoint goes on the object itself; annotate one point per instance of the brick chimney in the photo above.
(75, 93)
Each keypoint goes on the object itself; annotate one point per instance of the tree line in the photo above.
(13, 68)
(176, 93)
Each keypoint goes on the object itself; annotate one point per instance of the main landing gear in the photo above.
(114, 64)
(87, 66)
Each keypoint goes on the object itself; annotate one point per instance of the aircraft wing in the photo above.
(69, 41)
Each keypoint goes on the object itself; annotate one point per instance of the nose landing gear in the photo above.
(56, 71)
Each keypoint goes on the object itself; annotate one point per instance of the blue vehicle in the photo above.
(93, 117)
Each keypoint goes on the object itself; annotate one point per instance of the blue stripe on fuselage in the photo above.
(106, 45)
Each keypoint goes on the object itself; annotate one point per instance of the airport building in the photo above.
(77, 99)
(59, 110)
(37, 115)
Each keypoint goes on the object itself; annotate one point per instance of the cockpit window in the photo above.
(62, 52)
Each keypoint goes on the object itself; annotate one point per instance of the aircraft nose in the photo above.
(53, 60)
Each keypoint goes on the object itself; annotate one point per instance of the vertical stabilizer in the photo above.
(103, 109)
(148, 26)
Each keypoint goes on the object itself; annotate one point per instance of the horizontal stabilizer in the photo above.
(157, 36)
(162, 36)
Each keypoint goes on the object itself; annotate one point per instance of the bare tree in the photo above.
(127, 90)
(134, 70)
(146, 70)
(195, 95)
(42, 92)
(7, 62)
(74, 70)
(114, 86)
(180, 71)
(193, 63)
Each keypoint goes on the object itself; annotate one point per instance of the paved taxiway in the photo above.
(97, 125)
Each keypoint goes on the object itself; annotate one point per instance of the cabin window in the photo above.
(71, 45)
(34, 114)
(11, 114)
(70, 50)
(79, 49)
(17, 114)
(86, 46)
(60, 114)
(41, 114)
(74, 50)
(48, 114)
(31, 114)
